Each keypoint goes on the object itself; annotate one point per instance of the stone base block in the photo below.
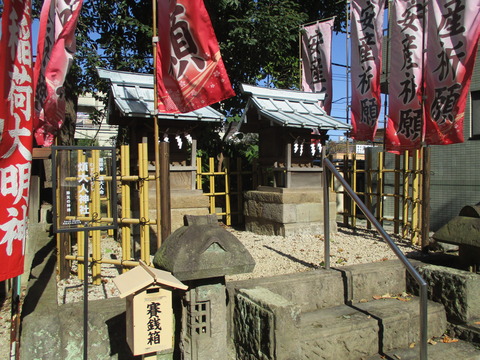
(284, 212)
(457, 290)
(265, 227)
(183, 202)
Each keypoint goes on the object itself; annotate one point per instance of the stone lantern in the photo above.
(200, 254)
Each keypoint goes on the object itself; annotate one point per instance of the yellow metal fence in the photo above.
(404, 179)
(224, 180)
(128, 184)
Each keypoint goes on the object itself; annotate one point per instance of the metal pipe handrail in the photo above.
(328, 166)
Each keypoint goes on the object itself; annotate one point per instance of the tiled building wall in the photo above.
(455, 170)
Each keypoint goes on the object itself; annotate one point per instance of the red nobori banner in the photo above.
(317, 60)
(190, 69)
(405, 119)
(56, 46)
(16, 107)
(453, 33)
(367, 35)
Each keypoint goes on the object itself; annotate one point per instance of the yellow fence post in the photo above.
(346, 199)
(406, 189)
(368, 184)
(396, 204)
(81, 234)
(416, 197)
(354, 187)
(211, 170)
(95, 213)
(126, 204)
(143, 195)
(199, 173)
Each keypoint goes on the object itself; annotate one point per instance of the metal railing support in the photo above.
(328, 166)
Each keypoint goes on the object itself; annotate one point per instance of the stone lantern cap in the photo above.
(202, 249)
(463, 229)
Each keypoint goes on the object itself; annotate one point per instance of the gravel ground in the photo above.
(274, 255)
(5, 317)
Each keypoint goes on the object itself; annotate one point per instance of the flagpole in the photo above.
(300, 65)
(156, 134)
(347, 68)
(387, 77)
(425, 239)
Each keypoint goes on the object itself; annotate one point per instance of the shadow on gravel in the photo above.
(292, 258)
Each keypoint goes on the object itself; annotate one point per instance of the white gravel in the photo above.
(5, 316)
(274, 255)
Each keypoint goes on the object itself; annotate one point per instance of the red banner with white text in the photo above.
(317, 60)
(190, 69)
(16, 107)
(405, 118)
(55, 50)
(367, 35)
(453, 33)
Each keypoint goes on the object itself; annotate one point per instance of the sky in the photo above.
(339, 76)
(339, 79)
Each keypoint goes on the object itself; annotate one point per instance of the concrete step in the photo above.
(460, 350)
(318, 289)
(357, 331)
(329, 314)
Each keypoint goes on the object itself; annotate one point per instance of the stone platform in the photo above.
(285, 211)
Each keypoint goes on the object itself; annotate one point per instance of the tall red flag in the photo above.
(453, 34)
(190, 69)
(56, 47)
(405, 113)
(317, 60)
(16, 106)
(367, 35)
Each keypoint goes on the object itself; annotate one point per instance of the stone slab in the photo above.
(400, 320)
(264, 324)
(188, 199)
(310, 290)
(266, 227)
(440, 351)
(457, 290)
(461, 230)
(469, 332)
(56, 332)
(379, 278)
(337, 333)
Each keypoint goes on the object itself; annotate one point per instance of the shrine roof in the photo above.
(133, 95)
(289, 108)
